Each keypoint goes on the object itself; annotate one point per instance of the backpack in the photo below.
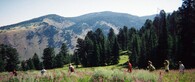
(71, 69)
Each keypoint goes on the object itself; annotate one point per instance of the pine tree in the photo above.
(100, 46)
(24, 65)
(149, 44)
(36, 61)
(64, 53)
(2, 57)
(48, 58)
(59, 60)
(187, 32)
(76, 58)
(115, 51)
(92, 58)
(96, 59)
(121, 39)
(126, 32)
(173, 43)
(81, 52)
(163, 39)
(2, 63)
(110, 44)
(135, 50)
(30, 64)
(12, 58)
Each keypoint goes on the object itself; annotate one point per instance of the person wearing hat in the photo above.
(166, 64)
(150, 67)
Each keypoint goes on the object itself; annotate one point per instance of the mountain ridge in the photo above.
(76, 17)
(32, 36)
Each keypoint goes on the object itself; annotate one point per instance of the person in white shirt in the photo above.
(181, 67)
(43, 71)
(166, 64)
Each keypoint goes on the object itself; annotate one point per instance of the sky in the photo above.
(14, 11)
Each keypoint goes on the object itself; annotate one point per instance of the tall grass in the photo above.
(117, 75)
(145, 75)
(99, 74)
(175, 76)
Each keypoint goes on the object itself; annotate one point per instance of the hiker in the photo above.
(71, 69)
(14, 72)
(150, 66)
(166, 64)
(129, 67)
(181, 67)
(43, 71)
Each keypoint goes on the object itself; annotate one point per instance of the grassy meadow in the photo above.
(114, 73)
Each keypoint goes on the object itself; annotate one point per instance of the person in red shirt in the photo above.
(129, 67)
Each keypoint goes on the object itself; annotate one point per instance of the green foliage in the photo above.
(166, 37)
(9, 58)
(135, 50)
(100, 47)
(187, 32)
(30, 64)
(121, 39)
(24, 65)
(48, 58)
(163, 39)
(59, 60)
(36, 62)
(64, 54)
(96, 50)
(81, 52)
(115, 51)
(2, 60)
(76, 59)
(109, 44)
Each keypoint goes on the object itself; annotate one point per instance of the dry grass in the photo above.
(113, 73)
(100, 74)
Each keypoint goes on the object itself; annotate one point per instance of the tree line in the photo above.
(97, 50)
(50, 60)
(168, 37)
(9, 59)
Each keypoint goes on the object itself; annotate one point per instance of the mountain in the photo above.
(33, 36)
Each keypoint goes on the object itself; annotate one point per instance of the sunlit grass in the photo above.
(123, 59)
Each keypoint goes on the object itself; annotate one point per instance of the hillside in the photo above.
(32, 36)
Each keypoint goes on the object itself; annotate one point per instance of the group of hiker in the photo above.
(71, 69)
(151, 67)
